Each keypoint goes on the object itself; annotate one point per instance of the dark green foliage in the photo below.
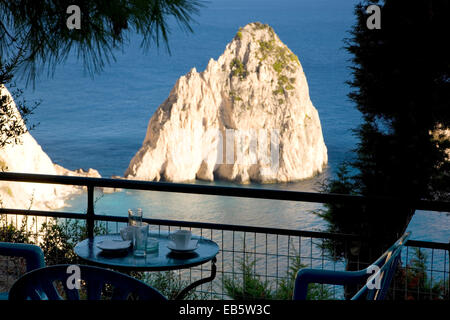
(9, 232)
(13, 124)
(251, 286)
(284, 57)
(56, 244)
(234, 96)
(278, 66)
(283, 84)
(36, 31)
(57, 238)
(265, 48)
(239, 34)
(342, 218)
(170, 284)
(401, 87)
(285, 289)
(60, 237)
(262, 26)
(238, 69)
(34, 36)
(415, 279)
(279, 90)
(283, 60)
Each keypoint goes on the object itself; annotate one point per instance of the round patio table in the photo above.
(162, 259)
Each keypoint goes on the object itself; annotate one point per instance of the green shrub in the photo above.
(252, 287)
(234, 96)
(260, 26)
(289, 87)
(239, 34)
(57, 238)
(415, 279)
(10, 233)
(286, 287)
(170, 284)
(279, 90)
(265, 49)
(238, 69)
(278, 66)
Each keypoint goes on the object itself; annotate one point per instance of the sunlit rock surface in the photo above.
(27, 156)
(247, 117)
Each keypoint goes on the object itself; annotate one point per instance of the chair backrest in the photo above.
(387, 265)
(33, 256)
(375, 285)
(57, 283)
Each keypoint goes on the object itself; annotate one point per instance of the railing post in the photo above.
(90, 215)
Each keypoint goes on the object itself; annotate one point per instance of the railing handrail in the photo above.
(245, 192)
(225, 227)
(189, 224)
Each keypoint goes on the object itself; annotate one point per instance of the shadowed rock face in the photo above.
(27, 156)
(247, 117)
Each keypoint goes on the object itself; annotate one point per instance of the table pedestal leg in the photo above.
(183, 292)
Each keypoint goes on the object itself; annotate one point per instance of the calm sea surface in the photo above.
(101, 122)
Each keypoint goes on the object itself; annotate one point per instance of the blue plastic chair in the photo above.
(41, 284)
(387, 265)
(33, 255)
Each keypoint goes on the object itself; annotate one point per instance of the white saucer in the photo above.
(193, 245)
(114, 245)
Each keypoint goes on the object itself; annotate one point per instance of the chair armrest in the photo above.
(307, 276)
(33, 254)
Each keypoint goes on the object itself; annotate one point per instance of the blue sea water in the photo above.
(100, 122)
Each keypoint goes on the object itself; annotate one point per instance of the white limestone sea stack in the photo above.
(27, 156)
(247, 118)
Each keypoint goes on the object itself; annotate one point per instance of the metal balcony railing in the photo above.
(270, 253)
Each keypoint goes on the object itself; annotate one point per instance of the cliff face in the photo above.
(27, 156)
(247, 117)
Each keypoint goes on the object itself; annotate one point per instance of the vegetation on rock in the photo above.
(238, 69)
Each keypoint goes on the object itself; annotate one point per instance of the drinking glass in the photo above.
(152, 245)
(135, 217)
(140, 236)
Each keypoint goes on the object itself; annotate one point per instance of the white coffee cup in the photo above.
(181, 238)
